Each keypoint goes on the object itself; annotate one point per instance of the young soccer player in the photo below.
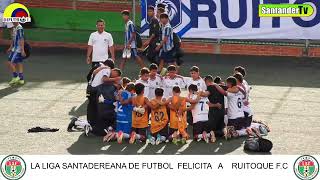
(171, 81)
(200, 111)
(125, 81)
(166, 45)
(16, 55)
(139, 115)
(159, 118)
(195, 79)
(155, 80)
(124, 116)
(130, 49)
(144, 79)
(235, 105)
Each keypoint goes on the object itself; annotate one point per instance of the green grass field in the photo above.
(286, 94)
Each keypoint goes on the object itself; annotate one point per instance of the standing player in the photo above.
(155, 80)
(171, 81)
(159, 118)
(99, 44)
(144, 79)
(166, 45)
(130, 49)
(200, 111)
(16, 55)
(154, 29)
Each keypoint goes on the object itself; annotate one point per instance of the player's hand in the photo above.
(145, 44)
(23, 54)
(157, 49)
(219, 106)
(9, 50)
(88, 60)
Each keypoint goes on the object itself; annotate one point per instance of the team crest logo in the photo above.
(173, 9)
(13, 167)
(16, 12)
(306, 167)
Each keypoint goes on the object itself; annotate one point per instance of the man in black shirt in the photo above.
(154, 31)
(216, 106)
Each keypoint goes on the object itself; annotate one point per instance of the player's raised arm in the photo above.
(220, 90)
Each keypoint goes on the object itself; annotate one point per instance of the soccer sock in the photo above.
(163, 138)
(81, 123)
(15, 74)
(208, 135)
(199, 136)
(21, 76)
(126, 136)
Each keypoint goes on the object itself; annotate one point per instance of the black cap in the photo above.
(161, 5)
(164, 15)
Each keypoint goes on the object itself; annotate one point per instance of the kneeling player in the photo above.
(200, 112)
(159, 118)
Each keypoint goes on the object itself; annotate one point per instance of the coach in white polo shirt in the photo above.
(99, 44)
(9, 25)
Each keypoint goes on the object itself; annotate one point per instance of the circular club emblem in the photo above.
(306, 167)
(13, 167)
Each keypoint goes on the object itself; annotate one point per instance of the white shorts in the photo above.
(5, 24)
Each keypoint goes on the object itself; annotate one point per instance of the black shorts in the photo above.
(167, 57)
(140, 131)
(238, 123)
(93, 64)
(199, 127)
(247, 119)
(92, 108)
(163, 132)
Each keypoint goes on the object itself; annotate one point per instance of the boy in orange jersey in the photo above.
(159, 118)
(139, 115)
(178, 115)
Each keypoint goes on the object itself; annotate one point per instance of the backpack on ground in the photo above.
(258, 145)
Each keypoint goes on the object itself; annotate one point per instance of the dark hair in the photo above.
(144, 71)
(172, 68)
(109, 63)
(151, 8)
(153, 66)
(118, 71)
(164, 15)
(217, 80)
(101, 20)
(176, 89)
(130, 86)
(139, 87)
(208, 78)
(161, 5)
(126, 80)
(125, 12)
(193, 88)
(239, 77)
(232, 80)
(158, 92)
(241, 70)
(194, 69)
(161, 10)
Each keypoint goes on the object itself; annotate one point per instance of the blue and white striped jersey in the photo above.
(17, 35)
(130, 28)
(167, 31)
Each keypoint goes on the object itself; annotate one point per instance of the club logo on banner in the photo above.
(13, 167)
(306, 167)
(239, 19)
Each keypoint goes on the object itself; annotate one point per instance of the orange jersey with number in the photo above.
(174, 119)
(139, 120)
(159, 117)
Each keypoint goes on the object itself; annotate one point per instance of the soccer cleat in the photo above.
(199, 139)
(212, 137)
(175, 140)
(111, 135)
(120, 137)
(87, 130)
(14, 80)
(158, 140)
(20, 82)
(205, 137)
(128, 53)
(132, 137)
(71, 124)
(226, 133)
